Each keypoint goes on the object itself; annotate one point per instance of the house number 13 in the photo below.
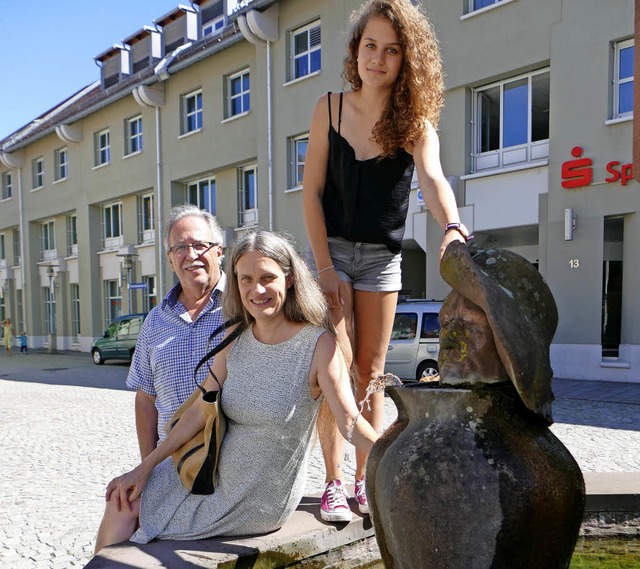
(574, 263)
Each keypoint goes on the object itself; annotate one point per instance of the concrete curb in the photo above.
(304, 536)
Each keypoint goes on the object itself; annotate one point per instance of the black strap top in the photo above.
(365, 200)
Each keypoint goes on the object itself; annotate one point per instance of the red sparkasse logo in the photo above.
(578, 173)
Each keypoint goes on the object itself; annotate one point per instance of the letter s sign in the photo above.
(624, 174)
(577, 173)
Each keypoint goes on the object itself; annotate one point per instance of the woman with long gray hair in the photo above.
(273, 376)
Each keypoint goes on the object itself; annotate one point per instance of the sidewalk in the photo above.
(69, 427)
(605, 391)
(613, 498)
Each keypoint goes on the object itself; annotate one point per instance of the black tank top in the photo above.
(365, 200)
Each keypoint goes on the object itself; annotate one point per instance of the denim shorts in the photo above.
(367, 266)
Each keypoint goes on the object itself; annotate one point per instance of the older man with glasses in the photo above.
(176, 333)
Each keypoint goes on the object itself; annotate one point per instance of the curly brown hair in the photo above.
(418, 91)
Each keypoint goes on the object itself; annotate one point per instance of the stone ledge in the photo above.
(306, 541)
(303, 537)
(612, 492)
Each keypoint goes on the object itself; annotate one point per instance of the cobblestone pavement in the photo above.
(68, 427)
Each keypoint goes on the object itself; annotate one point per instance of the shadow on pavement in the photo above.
(71, 369)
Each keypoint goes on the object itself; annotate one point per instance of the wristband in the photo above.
(325, 269)
(460, 228)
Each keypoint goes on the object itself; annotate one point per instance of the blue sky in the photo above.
(48, 49)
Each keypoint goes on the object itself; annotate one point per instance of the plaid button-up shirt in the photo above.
(170, 346)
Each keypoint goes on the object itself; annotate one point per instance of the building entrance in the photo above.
(611, 323)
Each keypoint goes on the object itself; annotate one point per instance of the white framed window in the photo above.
(37, 173)
(475, 5)
(191, 108)
(61, 161)
(74, 289)
(248, 196)
(48, 309)
(146, 219)
(150, 293)
(623, 79)
(202, 193)
(72, 235)
(112, 301)
(133, 135)
(212, 18)
(7, 185)
(238, 93)
(48, 239)
(102, 147)
(16, 247)
(112, 225)
(511, 121)
(305, 50)
(297, 155)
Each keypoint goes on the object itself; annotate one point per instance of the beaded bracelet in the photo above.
(351, 426)
(325, 269)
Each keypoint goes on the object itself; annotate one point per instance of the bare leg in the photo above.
(117, 526)
(374, 313)
(331, 441)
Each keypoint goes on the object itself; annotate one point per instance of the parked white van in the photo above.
(415, 340)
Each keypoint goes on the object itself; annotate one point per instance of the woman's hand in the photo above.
(330, 285)
(128, 487)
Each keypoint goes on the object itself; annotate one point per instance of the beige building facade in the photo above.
(211, 104)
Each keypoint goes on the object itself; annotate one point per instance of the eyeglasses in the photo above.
(199, 247)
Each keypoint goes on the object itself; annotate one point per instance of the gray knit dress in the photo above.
(263, 458)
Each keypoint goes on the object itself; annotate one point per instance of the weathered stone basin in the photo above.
(472, 479)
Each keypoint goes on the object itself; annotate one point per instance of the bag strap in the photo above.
(218, 348)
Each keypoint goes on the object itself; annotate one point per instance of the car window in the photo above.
(111, 330)
(123, 330)
(134, 327)
(430, 325)
(404, 326)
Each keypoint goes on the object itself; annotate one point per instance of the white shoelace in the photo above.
(333, 496)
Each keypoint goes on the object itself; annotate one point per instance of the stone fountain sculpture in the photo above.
(470, 476)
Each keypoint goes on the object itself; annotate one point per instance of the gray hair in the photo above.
(189, 210)
(305, 301)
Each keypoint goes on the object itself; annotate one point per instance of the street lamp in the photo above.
(127, 265)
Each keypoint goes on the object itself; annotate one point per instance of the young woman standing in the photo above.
(363, 146)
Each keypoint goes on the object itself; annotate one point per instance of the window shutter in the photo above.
(315, 36)
(213, 11)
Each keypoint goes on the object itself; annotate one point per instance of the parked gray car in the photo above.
(119, 340)
(415, 340)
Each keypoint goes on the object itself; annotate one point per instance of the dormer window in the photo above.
(179, 27)
(115, 64)
(212, 18)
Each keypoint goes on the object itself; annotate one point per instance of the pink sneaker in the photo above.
(334, 506)
(361, 497)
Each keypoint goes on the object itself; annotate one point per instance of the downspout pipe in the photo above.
(270, 135)
(16, 160)
(160, 248)
(153, 96)
(262, 28)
